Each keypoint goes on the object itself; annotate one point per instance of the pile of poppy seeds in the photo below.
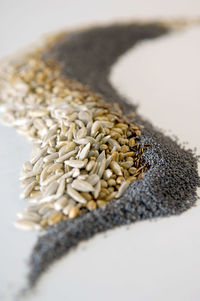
(96, 164)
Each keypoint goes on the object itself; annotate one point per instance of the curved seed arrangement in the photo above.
(84, 152)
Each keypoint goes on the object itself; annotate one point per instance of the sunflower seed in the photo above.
(122, 188)
(95, 127)
(90, 165)
(60, 203)
(37, 168)
(108, 161)
(97, 189)
(44, 173)
(84, 152)
(81, 133)
(68, 207)
(93, 179)
(81, 185)
(75, 163)
(61, 188)
(38, 113)
(26, 225)
(27, 175)
(27, 166)
(51, 189)
(80, 124)
(84, 116)
(52, 168)
(30, 216)
(50, 180)
(82, 141)
(66, 175)
(33, 208)
(75, 195)
(43, 210)
(66, 156)
(102, 168)
(51, 157)
(28, 190)
(76, 172)
(101, 156)
(48, 199)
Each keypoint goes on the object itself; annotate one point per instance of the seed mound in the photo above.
(58, 175)
(85, 153)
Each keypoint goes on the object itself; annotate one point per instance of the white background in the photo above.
(157, 260)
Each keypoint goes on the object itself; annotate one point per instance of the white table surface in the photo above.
(157, 260)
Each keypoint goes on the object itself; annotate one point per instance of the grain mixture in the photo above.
(85, 153)
(167, 188)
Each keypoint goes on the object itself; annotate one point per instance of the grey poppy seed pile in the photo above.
(167, 188)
